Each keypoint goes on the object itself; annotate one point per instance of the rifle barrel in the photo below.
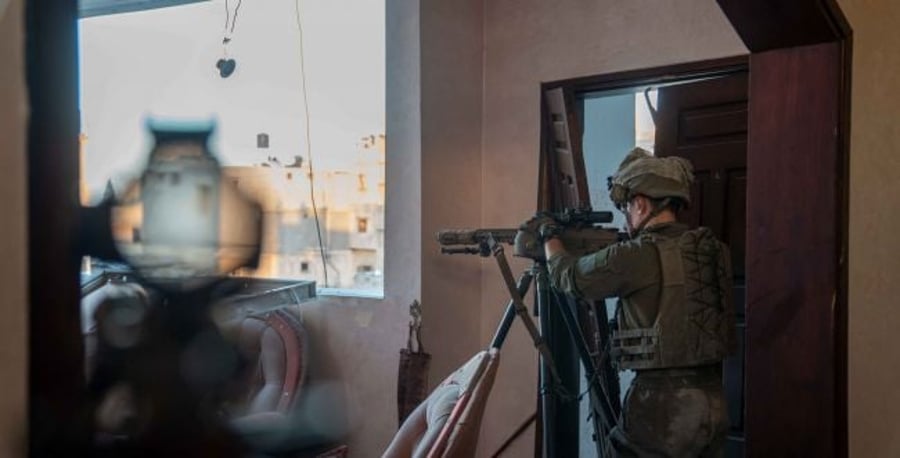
(475, 236)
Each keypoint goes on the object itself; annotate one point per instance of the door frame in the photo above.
(576, 192)
(796, 314)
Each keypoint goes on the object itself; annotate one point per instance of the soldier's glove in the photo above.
(548, 227)
(533, 233)
(543, 227)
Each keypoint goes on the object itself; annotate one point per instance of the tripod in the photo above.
(603, 406)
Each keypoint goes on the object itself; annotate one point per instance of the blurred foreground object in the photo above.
(158, 366)
(181, 226)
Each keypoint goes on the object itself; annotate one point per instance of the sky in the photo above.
(644, 128)
(161, 64)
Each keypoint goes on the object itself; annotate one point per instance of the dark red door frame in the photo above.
(57, 423)
(797, 194)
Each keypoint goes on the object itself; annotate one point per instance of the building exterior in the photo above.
(349, 206)
(348, 213)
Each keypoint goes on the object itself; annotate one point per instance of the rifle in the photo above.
(581, 235)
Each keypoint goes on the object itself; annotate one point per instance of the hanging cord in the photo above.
(229, 30)
(312, 191)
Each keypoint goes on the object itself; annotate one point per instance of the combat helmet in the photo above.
(642, 173)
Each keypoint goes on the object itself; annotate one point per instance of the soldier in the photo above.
(675, 318)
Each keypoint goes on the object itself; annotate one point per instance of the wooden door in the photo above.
(706, 122)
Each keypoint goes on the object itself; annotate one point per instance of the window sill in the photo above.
(354, 293)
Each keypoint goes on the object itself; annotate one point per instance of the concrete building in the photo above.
(350, 211)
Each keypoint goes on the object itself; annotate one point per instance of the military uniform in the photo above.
(674, 320)
(669, 411)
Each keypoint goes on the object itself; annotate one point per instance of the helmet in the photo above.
(642, 173)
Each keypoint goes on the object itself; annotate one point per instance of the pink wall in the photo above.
(874, 318)
(356, 341)
(452, 176)
(434, 181)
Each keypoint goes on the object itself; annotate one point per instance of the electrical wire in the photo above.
(228, 18)
(312, 191)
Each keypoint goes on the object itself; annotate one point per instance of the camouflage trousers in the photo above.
(673, 413)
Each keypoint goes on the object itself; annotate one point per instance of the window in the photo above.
(614, 124)
(262, 141)
(165, 63)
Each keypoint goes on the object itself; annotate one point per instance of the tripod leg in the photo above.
(602, 405)
(522, 311)
(510, 315)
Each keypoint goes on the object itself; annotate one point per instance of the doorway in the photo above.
(796, 131)
(698, 112)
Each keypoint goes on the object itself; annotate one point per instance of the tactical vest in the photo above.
(695, 323)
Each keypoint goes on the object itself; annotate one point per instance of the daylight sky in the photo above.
(161, 63)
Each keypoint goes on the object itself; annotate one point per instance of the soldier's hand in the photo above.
(547, 226)
(543, 225)
(533, 233)
(528, 244)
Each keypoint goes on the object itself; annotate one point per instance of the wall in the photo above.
(452, 177)
(530, 41)
(355, 341)
(874, 318)
(13, 237)
(433, 181)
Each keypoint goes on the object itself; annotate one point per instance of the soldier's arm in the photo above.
(613, 271)
(552, 247)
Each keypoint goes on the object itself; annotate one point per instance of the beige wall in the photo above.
(433, 182)
(874, 321)
(531, 41)
(451, 176)
(356, 341)
(13, 240)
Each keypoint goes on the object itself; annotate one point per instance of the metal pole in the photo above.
(559, 407)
